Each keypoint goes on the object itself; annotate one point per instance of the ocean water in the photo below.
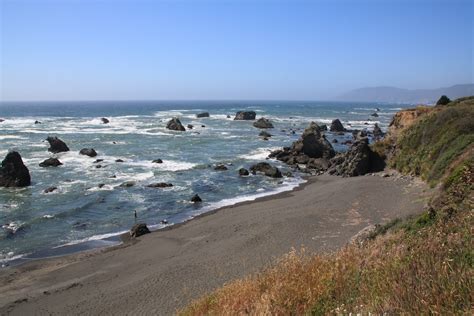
(81, 215)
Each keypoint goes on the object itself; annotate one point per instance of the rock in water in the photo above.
(313, 144)
(13, 172)
(220, 167)
(243, 172)
(263, 123)
(374, 115)
(265, 134)
(160, 185)
(139, 230)
(56, 145)
(50, 189)
(266, 169)
(50, 162)
(203, 114)
(105, 120)
(88, 152)
(37, 122)
(377, 131)
(336, 126)
(157, 161)
(357, 161)
(175, 125)
(190, 126)
(196, 199)
(443, 100)
(245, 115)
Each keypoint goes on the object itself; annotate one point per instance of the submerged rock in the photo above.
(139, 230)
(160, 185)
(88, 152)
(50, 189)
(127, 184)
(243, 172)
(190, 126)
(175, 125)
(13, 173)
(220, 167)
(196, 199)
(336, 126)
(56, 145)
(245, 115)
(265, 134)
(203, 114)
(263, 123)
(374, 115)
(157, 161)
(50, 162)
(266, 169)
(119, 160)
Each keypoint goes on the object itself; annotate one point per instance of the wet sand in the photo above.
(162, 271)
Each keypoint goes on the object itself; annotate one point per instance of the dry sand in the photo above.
(163, 271)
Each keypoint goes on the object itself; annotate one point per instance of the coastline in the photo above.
(173, 265)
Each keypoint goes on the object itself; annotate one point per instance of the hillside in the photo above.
(420, 265)
(397, 95)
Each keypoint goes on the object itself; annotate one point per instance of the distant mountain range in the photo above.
(397, 95)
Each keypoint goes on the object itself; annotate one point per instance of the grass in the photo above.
(420, 265)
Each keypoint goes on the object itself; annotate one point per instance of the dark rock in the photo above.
(335, 141)
(228, 116)
(220, 167)
(377, 109)
(196, 199)
(245, 115)
(243, 172)
(319, 164)
(50, 189)
(266, 169)
(157, 161)
(2, 120)
(99, 166)
(119, 160)
(139, 230)
(323, 128)
(357, 161)
(88, 152)
(127, 184)
(360, 134)
(98, 160)
(263, 123)
(37, 122)
(347, 142)
(374, 115)
(190, 126)
(443, 100)
(203, 126)
(56, 145)
(13, 173)
(164, 222)
(265, 134)
(313, 144)
(160, 185)
(336, 126)
(377, 131)
(105, 120)
(175, 125)
(101, 185)
(203, 114)
(50, 162)
(288, 174)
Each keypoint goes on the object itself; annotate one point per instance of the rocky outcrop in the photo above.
(263, 123)
(196, 199)
(245, 115)
(160, 185)
(220, 167)
(56, 145)
(190, 126)
(175, 125)
(374, 115)
(139, 230)
(37, 122)
(377, 132)
(243, 172)
(105, 120)
(88, 152)
(157, 161)
(13, 173)
(402, 119)
(50, 162)
(203, 114)
(357, 161)
(443, 100)
(2, 120)
(266, 169)
(336, 126)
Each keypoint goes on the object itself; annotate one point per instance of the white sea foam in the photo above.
(258, 154)
(167, 165)
(92, 238)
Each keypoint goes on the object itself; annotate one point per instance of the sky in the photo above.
(243, 50)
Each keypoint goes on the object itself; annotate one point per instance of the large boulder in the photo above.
(313, 144)
(88, 152)
(443, 100)
(336, 126)
(357, 161)
(267, 169)
(263, 123)
(245, 115)
(56, 145)
(50, 162)
(13, 173)
(139, 230)
(196, 199)
(377, 131)
(204, 114)
(175, 125)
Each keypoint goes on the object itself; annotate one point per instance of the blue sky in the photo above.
(136, 50)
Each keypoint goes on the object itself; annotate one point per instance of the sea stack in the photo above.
(13, 173)
(56, 145)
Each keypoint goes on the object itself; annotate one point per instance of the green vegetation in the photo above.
(420, 265)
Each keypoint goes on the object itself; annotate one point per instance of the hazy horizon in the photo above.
(232, 50)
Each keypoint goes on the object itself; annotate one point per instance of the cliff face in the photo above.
(406, 118)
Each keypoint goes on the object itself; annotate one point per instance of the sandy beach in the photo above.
(162, 271)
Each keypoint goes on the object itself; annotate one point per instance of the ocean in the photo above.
(89, 208)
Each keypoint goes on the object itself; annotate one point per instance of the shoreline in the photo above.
(162, 271)
(120, 239)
